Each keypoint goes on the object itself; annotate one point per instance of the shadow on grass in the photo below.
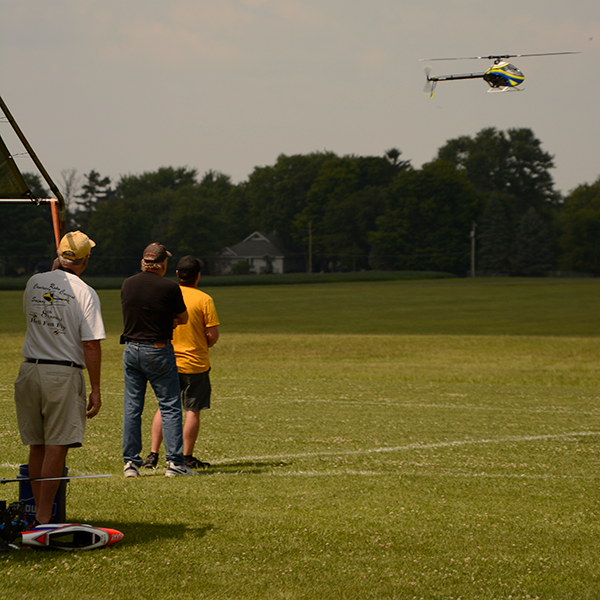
(244, 468)
(145, 533)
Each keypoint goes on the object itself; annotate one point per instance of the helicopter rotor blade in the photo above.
(456, 58)
(542, 54)
(499, 56)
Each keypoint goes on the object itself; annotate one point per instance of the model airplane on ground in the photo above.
(502, 76)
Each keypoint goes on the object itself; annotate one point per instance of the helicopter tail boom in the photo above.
(453, 77)
(432, 81)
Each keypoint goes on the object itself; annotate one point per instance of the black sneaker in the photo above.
(151, 461)
(174, 470)
(194, 463)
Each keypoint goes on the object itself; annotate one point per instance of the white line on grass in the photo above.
(419, 405)
(354, 473)
(9, 465)
(416, 446)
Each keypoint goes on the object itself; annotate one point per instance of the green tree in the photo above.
(95, 190)
(427, 221)
(169, 206)
(70, 187)
(337, 179)
(379, 171)
(26, 235)
(511, 163)
(197, 221)
(580, 229)
(348, 222)
(393, 157)
(494, 237)
(121, 229)
(277, 194)
(343, 202)
(533, 254)
(241, 267)
(36, 185)
(234, 212)
(136, 214)
(149, 182)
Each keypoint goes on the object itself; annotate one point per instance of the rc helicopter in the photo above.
(502, 76)
(16, 520)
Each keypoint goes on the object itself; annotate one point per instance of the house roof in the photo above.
(257, 244)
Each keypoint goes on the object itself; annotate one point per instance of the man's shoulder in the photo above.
(132, 279)
(146, 278)
(194, 293)
(62, 282)
(46, 276)
(58, 277)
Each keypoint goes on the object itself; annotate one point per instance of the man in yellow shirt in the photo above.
(191, 343)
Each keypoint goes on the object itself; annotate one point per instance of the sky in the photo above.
(128, 86)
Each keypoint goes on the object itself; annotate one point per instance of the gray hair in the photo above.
(148, 265)
(71, 262)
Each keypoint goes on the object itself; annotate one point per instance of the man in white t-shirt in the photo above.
(64, 329)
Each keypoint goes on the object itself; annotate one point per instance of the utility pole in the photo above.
(473, 249)
(309, 266)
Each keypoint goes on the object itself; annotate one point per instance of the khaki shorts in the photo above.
(51, 405)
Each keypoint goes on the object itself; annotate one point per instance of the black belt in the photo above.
(64, 363)
(155, 343)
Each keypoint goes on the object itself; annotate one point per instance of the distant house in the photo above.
(263, 253)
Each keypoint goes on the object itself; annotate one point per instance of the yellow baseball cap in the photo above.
(75, 245)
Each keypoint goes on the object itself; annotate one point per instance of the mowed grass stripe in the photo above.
(354, 473)
(456, 307)
(560, 307)
(437, 406)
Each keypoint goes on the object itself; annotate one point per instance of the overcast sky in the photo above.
(128, 86)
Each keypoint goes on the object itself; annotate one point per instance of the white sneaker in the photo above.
(174, 470)
(131, 470)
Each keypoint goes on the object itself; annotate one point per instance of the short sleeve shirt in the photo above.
(62, 312)
(189, 340)
(149, 302)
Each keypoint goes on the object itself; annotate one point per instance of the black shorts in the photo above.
(195, 391)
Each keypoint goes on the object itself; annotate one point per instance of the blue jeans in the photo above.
(144, 363)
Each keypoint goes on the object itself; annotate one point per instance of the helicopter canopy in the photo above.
(510, 68)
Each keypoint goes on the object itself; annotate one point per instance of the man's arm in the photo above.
(93, 358)
(180, 319)
(212, 335)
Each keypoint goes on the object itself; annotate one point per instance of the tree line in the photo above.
(352, 212)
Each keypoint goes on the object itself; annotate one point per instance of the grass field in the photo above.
(435, 440)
